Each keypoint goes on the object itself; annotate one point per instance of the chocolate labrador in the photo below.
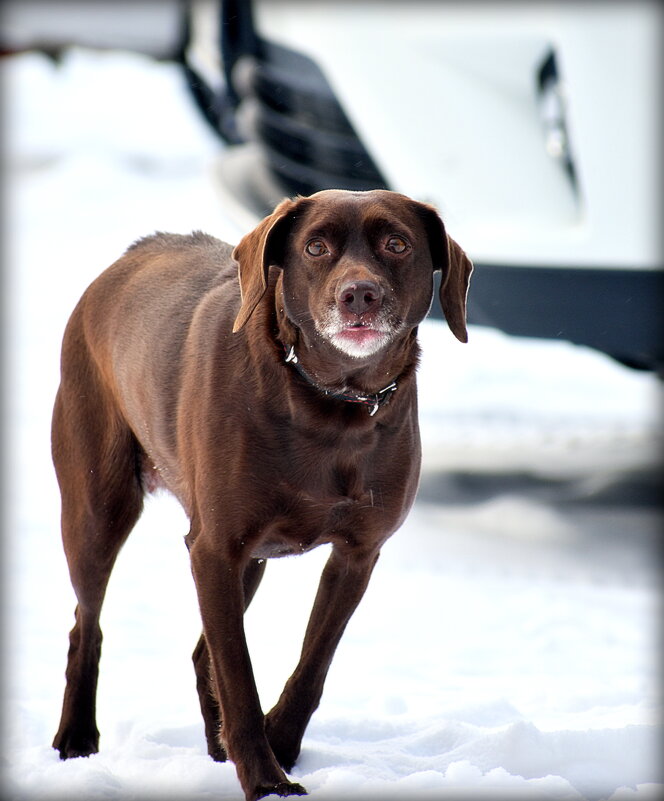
(271, 389)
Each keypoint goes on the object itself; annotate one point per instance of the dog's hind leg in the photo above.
(201, 658)
(96, 461)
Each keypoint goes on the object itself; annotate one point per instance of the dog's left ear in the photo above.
(456, 268)
(254, 254)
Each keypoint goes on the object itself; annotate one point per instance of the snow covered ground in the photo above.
(508, 644)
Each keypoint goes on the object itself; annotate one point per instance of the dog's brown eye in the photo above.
(316, 247)
(396, 244)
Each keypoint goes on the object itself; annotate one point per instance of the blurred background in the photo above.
(534, 127)
(516, 615)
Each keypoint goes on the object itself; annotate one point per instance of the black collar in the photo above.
(374, 401)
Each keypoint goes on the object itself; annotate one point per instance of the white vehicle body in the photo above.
(535, 128)
(444, 97)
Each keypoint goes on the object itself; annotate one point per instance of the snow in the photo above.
(507, 646)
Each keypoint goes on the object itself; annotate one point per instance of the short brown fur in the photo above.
(174, 375)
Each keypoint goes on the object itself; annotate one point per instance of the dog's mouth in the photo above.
(357, 338)
(361, 332)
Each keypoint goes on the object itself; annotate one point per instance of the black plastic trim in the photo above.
(615, 310)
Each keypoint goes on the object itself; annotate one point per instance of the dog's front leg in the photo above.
(221, 598)
(342, 585)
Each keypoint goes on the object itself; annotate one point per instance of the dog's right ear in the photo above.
(254, 254)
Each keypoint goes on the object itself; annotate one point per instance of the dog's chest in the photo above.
(353, 488)
(332, 503)
(309, 521)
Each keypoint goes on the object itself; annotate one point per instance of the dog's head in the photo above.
(357, 267)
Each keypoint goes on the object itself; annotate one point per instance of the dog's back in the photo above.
(147, 298)
(128, 331)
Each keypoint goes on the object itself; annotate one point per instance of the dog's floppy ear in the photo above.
(254, 254)
(454, 289)
(456, 268)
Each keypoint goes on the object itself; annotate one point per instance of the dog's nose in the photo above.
(359, 297)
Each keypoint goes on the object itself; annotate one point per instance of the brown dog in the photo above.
(281, 411)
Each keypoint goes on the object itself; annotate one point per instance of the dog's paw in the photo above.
(284, 741)
(286, 757)
(218, 753)
(281, 789)
(72, 745)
